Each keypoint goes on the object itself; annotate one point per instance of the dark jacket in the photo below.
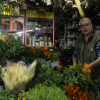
(86, 51)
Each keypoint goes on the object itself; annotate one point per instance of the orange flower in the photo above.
(74, 65)
(74, 22)
(65, 86)
(74, 98)
(32, 48)
(89, 71)
(85, 65)
(39, 47)
(48, 56)
(77, 88)
(45, 48)
(86, 70)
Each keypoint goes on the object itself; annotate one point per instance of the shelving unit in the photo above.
(40, 28)
(10, 26)
(31, 27)
(72, 31)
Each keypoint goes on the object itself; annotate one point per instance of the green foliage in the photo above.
(75, 75)
(2, 52)
(38, 53)
(7, 95)
(72, 75)
(54, 77)
(38, 76)
(14, 50)
(17, 50)
(46, 75)
(98, 97)
(42, 92)
(53, 57)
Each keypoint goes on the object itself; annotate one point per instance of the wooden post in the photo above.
(79, 8)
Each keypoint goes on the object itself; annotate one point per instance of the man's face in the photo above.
(86, 27)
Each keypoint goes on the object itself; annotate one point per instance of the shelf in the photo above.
(8, 16)
(71, 38)
(28, 30)
(74, 28)
(38, 32)
(10, 31)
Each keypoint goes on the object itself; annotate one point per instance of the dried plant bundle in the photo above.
(16, 76)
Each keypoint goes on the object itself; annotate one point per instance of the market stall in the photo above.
(37, 40)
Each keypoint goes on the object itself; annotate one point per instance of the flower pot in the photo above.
(53, 64)
(42, 60)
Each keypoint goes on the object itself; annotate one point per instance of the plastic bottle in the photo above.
(49, 41)
(33, 40)
(41, 41)
(36, 42)
(68, 35)
(45, 41)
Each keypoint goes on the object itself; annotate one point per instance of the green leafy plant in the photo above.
(47, 75)
(3, 49)
(77, 75)
(42, 92)
(43, 52)
(53, 57)
(38, 52)
(17, 50)
(7, 95)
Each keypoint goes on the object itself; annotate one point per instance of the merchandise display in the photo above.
(40, 29)
(31, 29)
(72, 31)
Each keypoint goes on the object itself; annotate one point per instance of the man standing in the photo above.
(88, 48)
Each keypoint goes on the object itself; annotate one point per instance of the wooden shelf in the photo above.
(8, 16)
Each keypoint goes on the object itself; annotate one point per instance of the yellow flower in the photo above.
(57, 74)
(23, 99)
(18, 99)
(74, 65)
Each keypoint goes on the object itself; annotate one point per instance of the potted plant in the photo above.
(17, 50)
(78, 82)
(53, 60)
(39, 53)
